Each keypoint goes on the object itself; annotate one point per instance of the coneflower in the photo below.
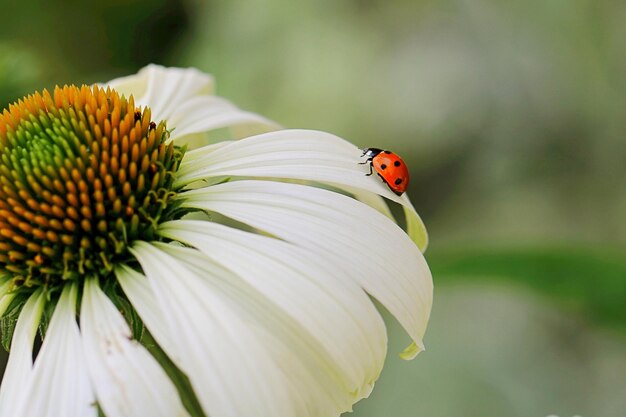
(171, 273)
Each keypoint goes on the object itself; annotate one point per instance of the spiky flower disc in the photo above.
(83, 172)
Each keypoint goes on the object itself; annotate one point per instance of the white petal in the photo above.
(351, 235)
(137, 289)
(184, 98)
(232, 374)
(127, 379)
(59, 384)
(205, 113)
(296, 154)
(19, 366)
(308, 301)
(163, 89)
(372, 200)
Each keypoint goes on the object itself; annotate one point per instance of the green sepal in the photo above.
(9, 320)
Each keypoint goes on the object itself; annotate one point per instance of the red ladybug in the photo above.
(390, 167)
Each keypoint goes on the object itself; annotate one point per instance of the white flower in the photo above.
(244, 261)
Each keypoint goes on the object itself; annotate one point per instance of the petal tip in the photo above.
(412, 351)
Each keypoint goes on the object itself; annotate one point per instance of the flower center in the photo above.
(82, 174)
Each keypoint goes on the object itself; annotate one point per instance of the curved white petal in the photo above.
(378, 255)
(59, 384)
(326, 395)
(205, 113)
(20, 364)
(137, 289)
(184, 98)
(372, 200)
(163, 89)
(232, 374)
(128, 381)
(296, 154)
(321, 307)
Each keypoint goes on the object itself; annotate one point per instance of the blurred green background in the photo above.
(511, 116)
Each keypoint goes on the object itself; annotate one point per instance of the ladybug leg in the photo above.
(366, 161)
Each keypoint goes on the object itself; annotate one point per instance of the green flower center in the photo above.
(83, 173)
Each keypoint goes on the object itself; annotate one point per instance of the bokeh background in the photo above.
(511, 116)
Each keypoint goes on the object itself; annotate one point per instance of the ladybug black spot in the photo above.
(388, 152)
(398, 181)
(396, 163)
(383, 166)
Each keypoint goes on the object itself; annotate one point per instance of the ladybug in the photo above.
(389, 166)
